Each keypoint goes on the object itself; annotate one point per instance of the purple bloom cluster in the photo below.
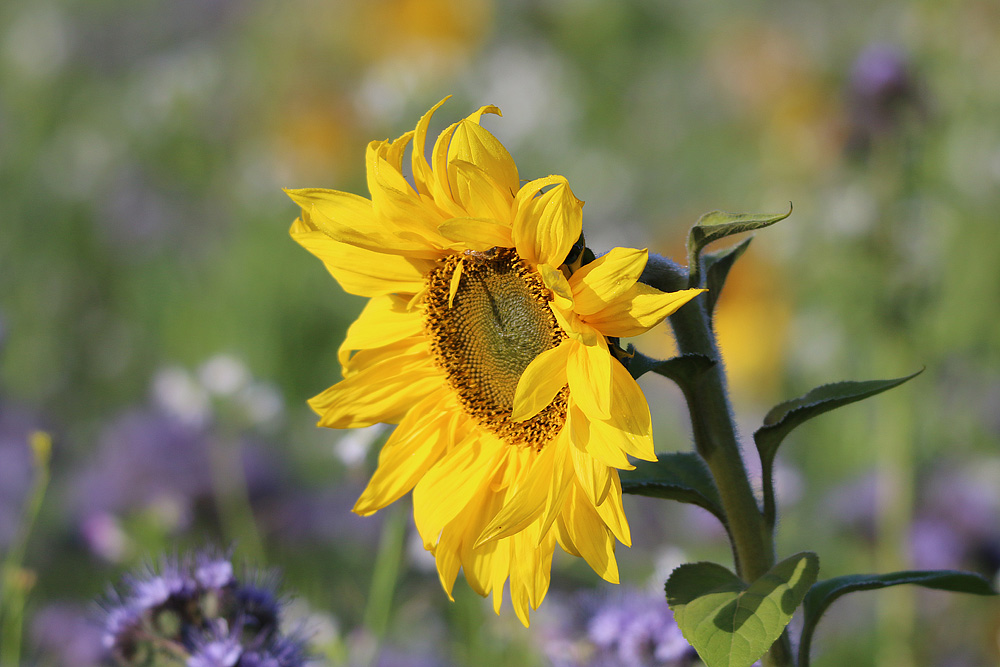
(196, 611)
(957, 524)
(956, 519)
(882, 92)
(624, 629)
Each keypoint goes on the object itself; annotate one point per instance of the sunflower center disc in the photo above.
(498, 322)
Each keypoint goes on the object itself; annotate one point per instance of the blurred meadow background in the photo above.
(156, 318)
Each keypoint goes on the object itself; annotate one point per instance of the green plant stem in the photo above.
(717, 441)
(385, 576)
(232, 497)
(14, 580)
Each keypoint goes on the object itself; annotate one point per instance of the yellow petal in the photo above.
(485, 565)
(613, 512)
(380, 393)
(543, 570)
(473, 143)
(395, 350)
(545, 231)
(638, 310)
(456, 278)
(480, 194)
(606, 278)
(526, 199)
(416, 444)
(477, 234)
(592, 435)
(385, 319)
(361, 271)
(544, 377)
(453, 482)
(392, 196)
(629, 416)
(501, 569)
(539, 497)
(351, 219)
(394, 153)
(341, 211)
(585, 529)
(530, 571)
(556, 281)
(447, 559)
(589, 374)
(421, 169)
(477, 115)
(526, 503)
(528, 207)
(440, 187)
(593, 476)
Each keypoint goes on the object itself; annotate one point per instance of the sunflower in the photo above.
(490, 352)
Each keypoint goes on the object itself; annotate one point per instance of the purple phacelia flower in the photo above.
(283, 652)
(154, 590)
(216, 573)
(196, 610)
(882, 93)
(219, 649)
(624, 629)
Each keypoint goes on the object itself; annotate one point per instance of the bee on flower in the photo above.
(491, 352)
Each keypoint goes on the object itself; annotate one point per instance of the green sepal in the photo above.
(680, 476)
(732, 624)
(784, 417)
(683, 369)
(716, 225)
(716, 268)
(824, 593)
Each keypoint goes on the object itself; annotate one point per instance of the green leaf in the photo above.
(716, 267)
(682, 369)
(784, 417)
(716, 225)
(729, 623)
(680, 476)
(823, 593)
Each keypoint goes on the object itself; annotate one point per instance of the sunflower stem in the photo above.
(717, 440)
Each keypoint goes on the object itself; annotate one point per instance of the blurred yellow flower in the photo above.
(490, 352)
(752, 320)
(416, 29)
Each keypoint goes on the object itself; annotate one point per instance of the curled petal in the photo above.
(546, 229)
(474, 144)
(637, 310)
(601, 282)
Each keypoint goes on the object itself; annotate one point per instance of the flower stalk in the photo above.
(15, 581)
(716, 438)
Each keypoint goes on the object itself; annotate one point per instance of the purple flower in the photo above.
(197, 609)
(154, 590)
(957, 522)
(259, 607)
(214, 572)
(120, 621)
(283, 652)
(65, 634)
(935, 545)
(882, 93)
(151, 459)
(626, 628)
(220, 649)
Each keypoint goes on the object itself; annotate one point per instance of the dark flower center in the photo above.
(496, 324)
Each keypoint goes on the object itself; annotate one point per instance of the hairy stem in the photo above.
(717, 441)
